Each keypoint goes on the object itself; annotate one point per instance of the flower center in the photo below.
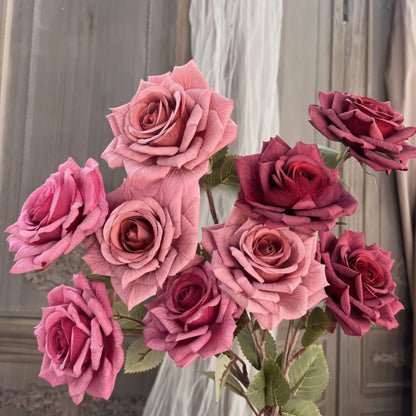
(136, 234)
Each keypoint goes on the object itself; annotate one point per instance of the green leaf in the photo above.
(308, 375)
(221, 373)
(242, 321)
(203, 253)
(248, 348)
(277, 388)
(330, 156)
(140, 357)
(296, 407)
(105, 279)
(279, 359)
(129, 320)
(218, 157)
(270, 346)
(256, 392)
(223, 172)
(316, 325)
(230, 383)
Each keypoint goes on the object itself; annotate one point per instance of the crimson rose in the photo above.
(291, 187)
(191, 317)
(361, 288)
(371, 128)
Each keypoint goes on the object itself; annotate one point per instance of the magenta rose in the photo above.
(191, 317)
(270, 272)
(291, 187)
(80, 341)
(58, 215)
(145, 239)
(174, 121)
(361, 288)
(371, 128)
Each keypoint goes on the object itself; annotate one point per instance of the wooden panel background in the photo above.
(64, 62)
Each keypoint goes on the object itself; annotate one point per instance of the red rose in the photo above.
(291, 187)
(371, 128)
(361, 288)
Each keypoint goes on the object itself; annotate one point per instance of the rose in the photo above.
(291, 187)
(173, 122)
(58, 215)
(361, 288)
(191, 317)
(80, 341)
(145, 238)
(269, 272)
(371, 128)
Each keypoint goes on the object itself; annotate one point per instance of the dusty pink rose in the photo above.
(80, 341)
(174, 121)
(191, 317)
(150, 234)
(361, 288)
(371, 128)
(58, 215)
(291, 187)
(270, 272)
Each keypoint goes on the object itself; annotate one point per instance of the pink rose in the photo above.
(150, 234)
(291, 187)
(80, 341)
(191, 317)
(58, 215)
(174, 121)
(269, 272)
(371, 128)
(361, 288)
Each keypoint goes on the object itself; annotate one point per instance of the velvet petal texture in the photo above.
(271, 272)
(81, 343)
(191, 317)
(58, 215)
(373, 130)
(174, 122)
(361, 287)
(291, 187)
(150, 234)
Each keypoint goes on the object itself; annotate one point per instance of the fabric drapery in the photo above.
(236, 45)
(401, 86)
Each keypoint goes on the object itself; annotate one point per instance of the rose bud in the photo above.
(58, 215)
(291, 187)
(361, 287)
(80, 341)
(191, 317)
(372, 129)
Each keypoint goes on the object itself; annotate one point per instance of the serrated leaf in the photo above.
(277, 387)
(329, 156)
(256, 391)
(129, 320)
(218, 157)
(223, 172)
(279, 359)
(221, 372)
(105, 279)
(308, 375)
(230, 383)
(140, 357)
(270, 346)
(248, 348)
(296, 407)
(316, 325)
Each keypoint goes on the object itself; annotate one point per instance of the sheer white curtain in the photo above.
(236, 44)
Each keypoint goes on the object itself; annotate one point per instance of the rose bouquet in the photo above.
(153, 288)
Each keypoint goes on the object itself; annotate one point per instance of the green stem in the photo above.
(342, 157)
(118, 317)
(210, 201)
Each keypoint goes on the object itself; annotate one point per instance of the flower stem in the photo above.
(285, 359)
(257, 342)
(342, 157)
(210, 201)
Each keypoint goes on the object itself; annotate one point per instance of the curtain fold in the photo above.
(236, 45)
(401, 87)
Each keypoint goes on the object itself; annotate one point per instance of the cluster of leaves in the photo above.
(222, 170)
(294, 394)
